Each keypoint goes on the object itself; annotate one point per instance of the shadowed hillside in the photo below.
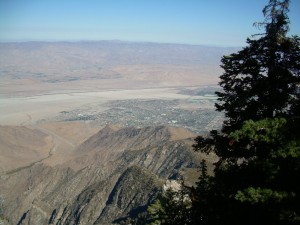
(113, 174)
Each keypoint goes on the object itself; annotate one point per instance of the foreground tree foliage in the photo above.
(255, 180)
(171, 208)
(256, 177)
(261, 80)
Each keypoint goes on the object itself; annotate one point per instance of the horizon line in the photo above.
(117, 40)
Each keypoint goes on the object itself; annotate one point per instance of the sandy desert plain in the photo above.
(56, 95)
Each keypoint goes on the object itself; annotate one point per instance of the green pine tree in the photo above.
(173, 207)
(262, 80)
(255, 178)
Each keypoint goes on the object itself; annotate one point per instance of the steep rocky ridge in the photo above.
(113, 174)
(133, 191)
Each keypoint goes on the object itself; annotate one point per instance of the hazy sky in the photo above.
(210, 22)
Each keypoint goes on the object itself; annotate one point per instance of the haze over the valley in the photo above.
(74, 114)
(63, 89)
(39, 79)
(69, 106)
(92, 128)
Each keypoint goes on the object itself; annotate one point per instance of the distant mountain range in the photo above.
(118, 52)
(111, 64)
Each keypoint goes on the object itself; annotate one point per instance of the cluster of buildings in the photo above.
(140, 113)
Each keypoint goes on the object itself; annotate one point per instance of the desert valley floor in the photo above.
(80, 123)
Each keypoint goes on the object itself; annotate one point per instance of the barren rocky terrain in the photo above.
(90, 131)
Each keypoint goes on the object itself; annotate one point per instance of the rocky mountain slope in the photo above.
(114, 174)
